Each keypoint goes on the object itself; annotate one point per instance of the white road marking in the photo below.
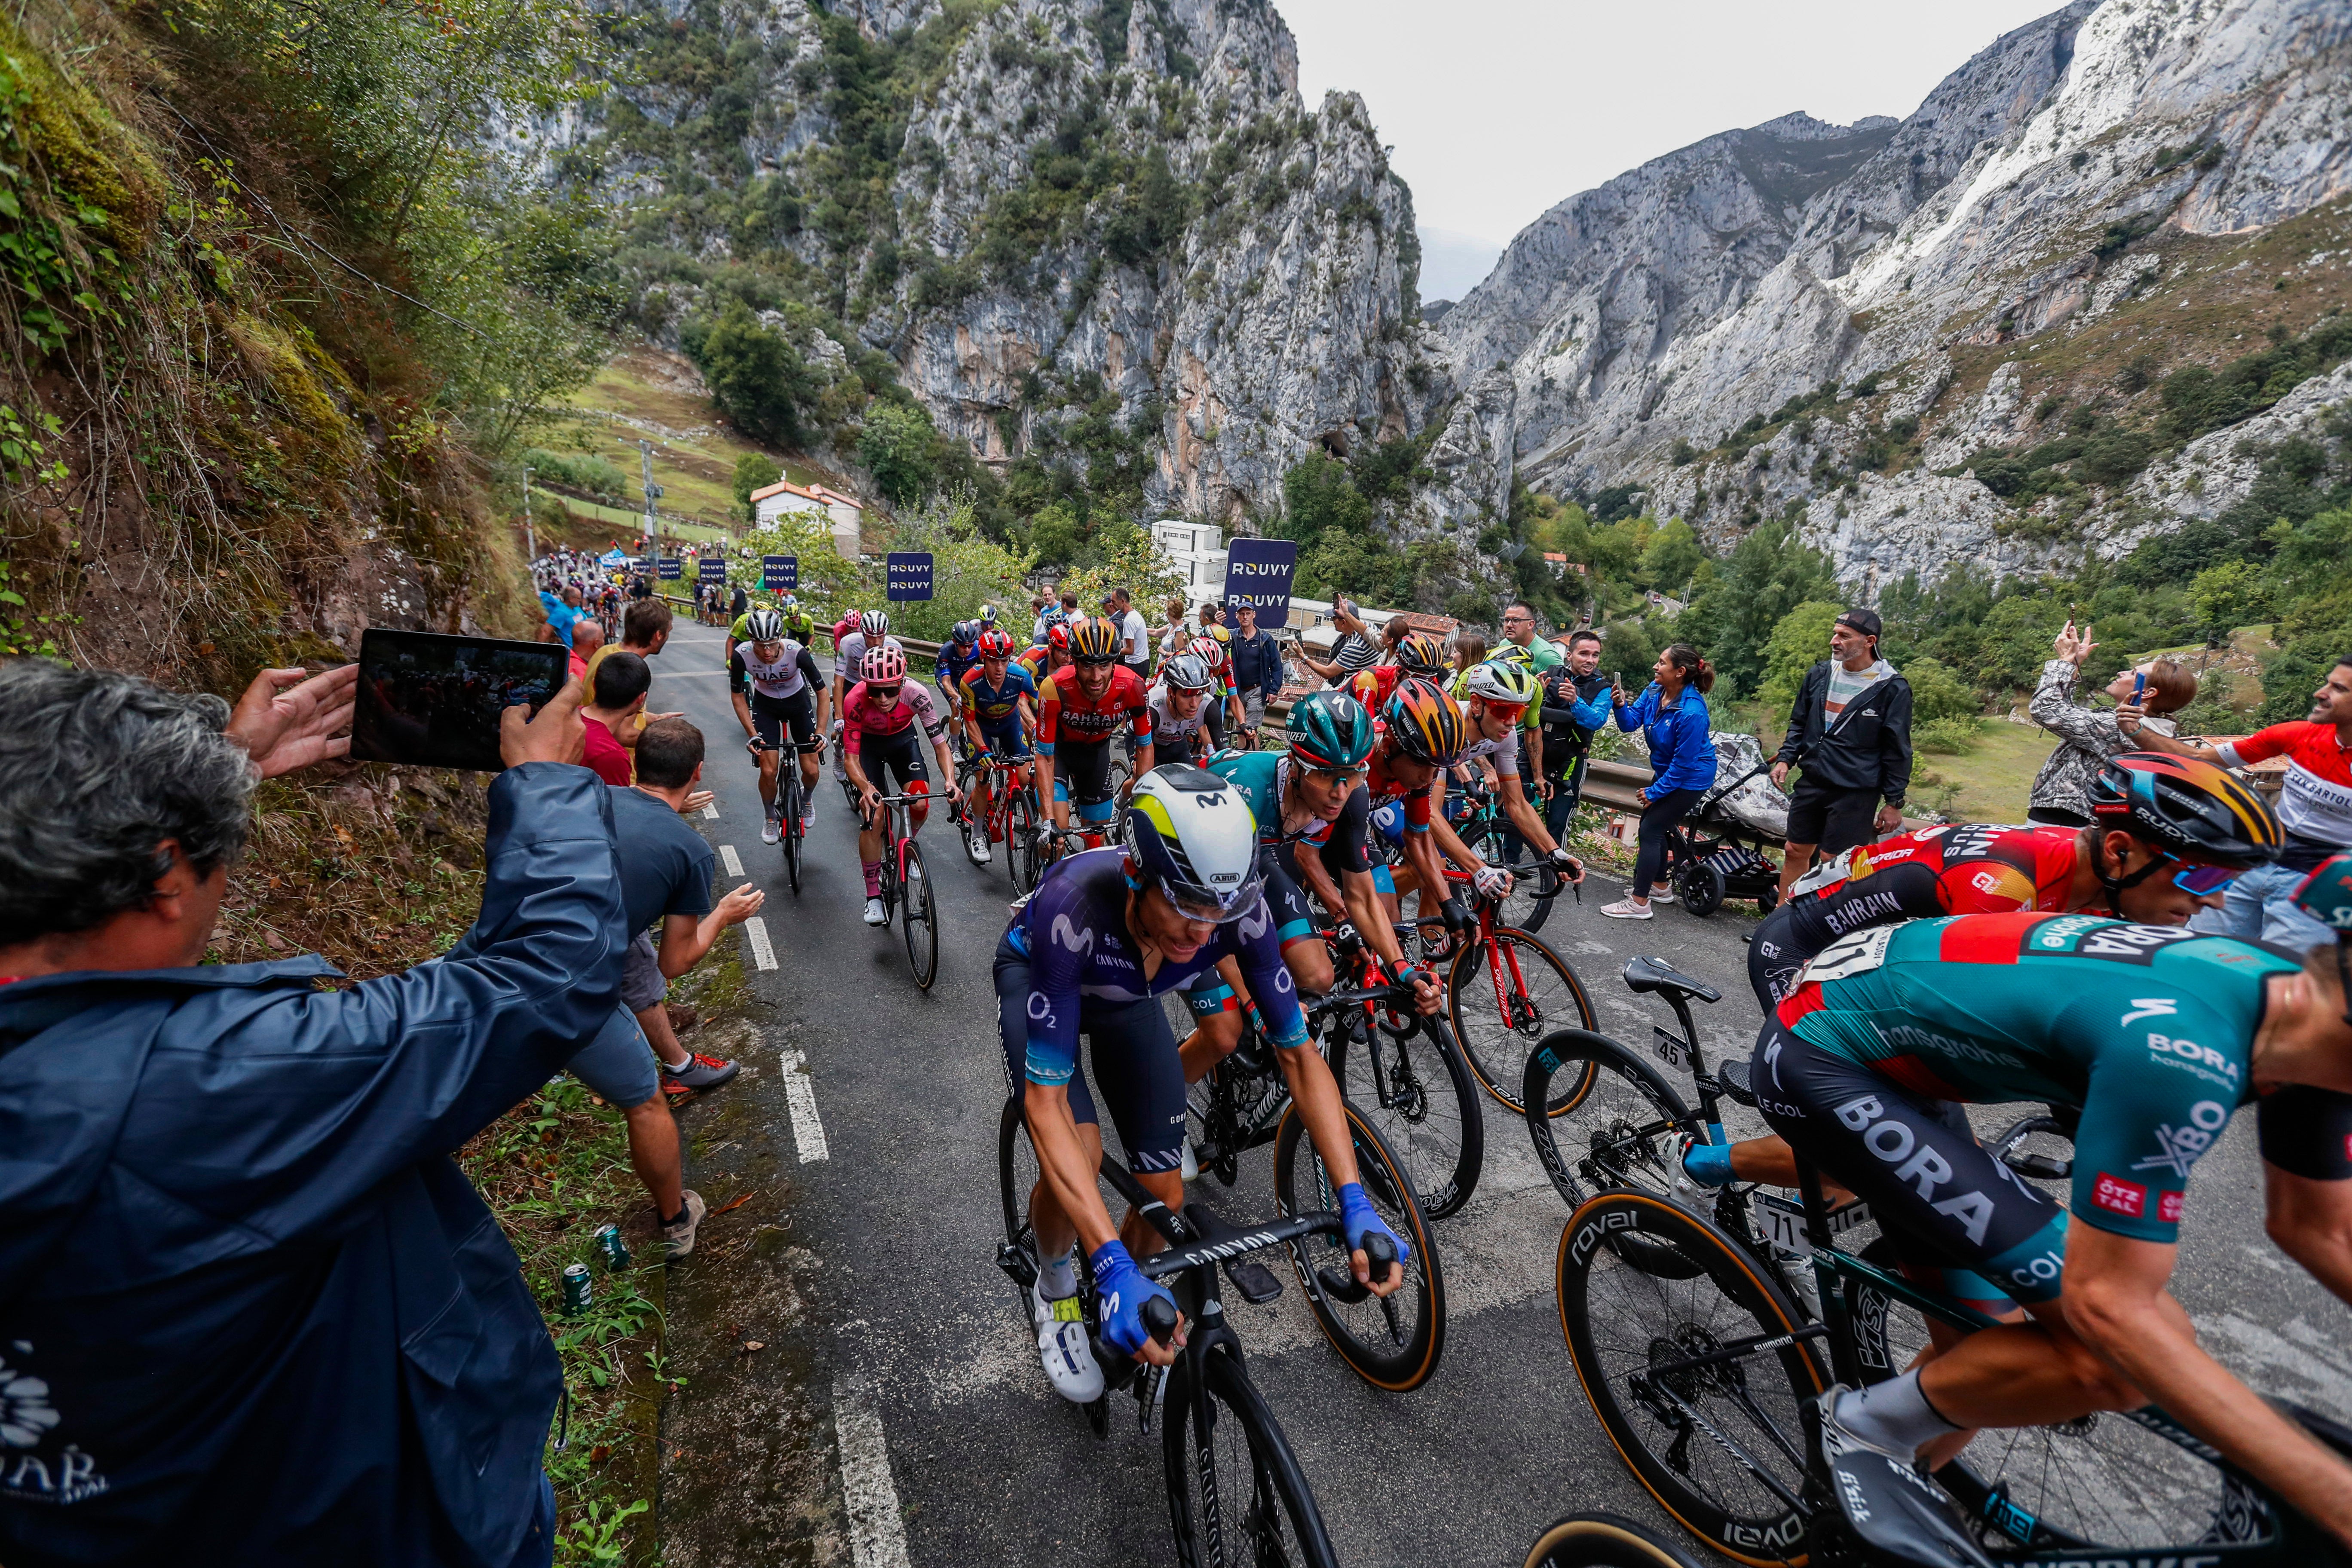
(710, 812)
(728, 858)
(755, 930)
(877, 1536)
(800, 1095)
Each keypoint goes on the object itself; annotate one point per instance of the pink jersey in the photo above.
(863, 716)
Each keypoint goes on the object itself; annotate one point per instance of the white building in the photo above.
(843, 516)
(1199, 550)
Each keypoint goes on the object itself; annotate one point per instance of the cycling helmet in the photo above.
(1208, 651)
(874, 624)
(1330, 730)
(965, 633)
(1423, 723)
(1187, 672)
(988, 614)
(1058, 637)
(1095, 641)
(1512, 653)
(883, 664)
(2192, 809)
(1191, 835)
(1421, 654)
(2326, 894)
(995, 644)
(1498, 681)
(763, 625)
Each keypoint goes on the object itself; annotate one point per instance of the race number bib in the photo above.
(1849, 956)
(1835, 869)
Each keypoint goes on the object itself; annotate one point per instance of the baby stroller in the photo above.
(1718, 851)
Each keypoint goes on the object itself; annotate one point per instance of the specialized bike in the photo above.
(905, 880)
(1236, 1492)
(1504, 990)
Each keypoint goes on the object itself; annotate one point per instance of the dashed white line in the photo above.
(755, 930)
(800, 1095)
(728, 858)
(710, 812)
(877, 1536)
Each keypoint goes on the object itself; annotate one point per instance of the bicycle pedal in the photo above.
(1256, 1282)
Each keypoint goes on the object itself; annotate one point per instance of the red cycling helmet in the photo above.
(994, 644)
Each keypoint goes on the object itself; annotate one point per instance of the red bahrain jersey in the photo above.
(1065, 712)
(1970, 869)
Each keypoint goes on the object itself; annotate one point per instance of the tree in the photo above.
(1800, 641)
(1747, 593)
(1673, 557)
(2226, 597)
(897, 448)
(1055, 534)
(1937, 692)
(1317, 494)
(757, 378)
(754, 472)
(968, 568)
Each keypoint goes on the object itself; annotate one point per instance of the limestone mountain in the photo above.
(1973, 336)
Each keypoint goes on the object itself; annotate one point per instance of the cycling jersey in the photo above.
(849, 651)
(1372, 687)
(1504, 753)
(862, 715)
(1177, 737)
(996, 707)
(949, 669)
(1065, 712)
(791, 672)
(2145, 1030)
(2315, 804)
(1969, 869)
(1263, 777)
(1034, 659)
(1399, 810)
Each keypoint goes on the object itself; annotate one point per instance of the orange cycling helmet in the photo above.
(1420, 654)
(2189, 808)
(1423, 723)
(1095, 641)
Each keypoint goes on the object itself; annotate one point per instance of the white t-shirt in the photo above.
(1134, 639)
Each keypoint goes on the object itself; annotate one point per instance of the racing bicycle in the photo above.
(1604, 1541)
(1535, 883)
(1504, 990)
(1012, 815)
(905, 880)
(790, 800)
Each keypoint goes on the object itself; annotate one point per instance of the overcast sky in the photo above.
(1497, 108)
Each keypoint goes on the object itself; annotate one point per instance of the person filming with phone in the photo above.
(2088, 737)
(250, 1309)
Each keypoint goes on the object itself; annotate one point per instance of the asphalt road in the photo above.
(909, 1355)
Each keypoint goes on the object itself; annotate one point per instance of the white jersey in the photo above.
(850, 652)
(782, 678)
(1173, 737)
(1502, 754)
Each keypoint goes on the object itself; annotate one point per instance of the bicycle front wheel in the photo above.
(922, 923)
(1604, 1541)
(1021, 842)
(1237, 1494)
(788, 801)
(1632, 1328)
(1503, 995)
(1613, 1122)
(1393, 1342)
(1416, 1089)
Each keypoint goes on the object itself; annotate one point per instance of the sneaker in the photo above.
(874, 914)
(1662, 895)
(680, 1232)
(1190, 1169)
(1626, 910)
(1062, 1347)
(978, 843)
(700, 1071)
(772, 830)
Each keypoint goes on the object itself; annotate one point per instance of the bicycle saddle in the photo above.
(1657, 974)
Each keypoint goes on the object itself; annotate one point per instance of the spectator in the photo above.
(2087, 738)
(563, 612)
(2315, 806)
(1213, 615)
(1469, 652)
(1178, 636)
(1850, 733)
(1672, 715)
(737, 603)
(645, 631)
(1575, 705)
(273, 1322)
(1520, 630)
(1037, 603)
(1352, 652)
(1257, 666)
(587, 637)
(1135, 637)
(622, 682)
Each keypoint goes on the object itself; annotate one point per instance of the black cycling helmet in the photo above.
(1095, 641)
(2190, 809)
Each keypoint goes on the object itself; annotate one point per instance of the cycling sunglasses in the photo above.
(1337, 777)
(1194, 906)
(1095, 661)
(883, 693)
(1513, 711)
(2203, 881)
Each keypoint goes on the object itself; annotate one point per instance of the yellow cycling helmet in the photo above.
(1423, 723)
(1095, 641)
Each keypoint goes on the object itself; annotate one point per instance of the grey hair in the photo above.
(98, 770)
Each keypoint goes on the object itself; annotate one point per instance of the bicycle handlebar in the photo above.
(1186, 1255)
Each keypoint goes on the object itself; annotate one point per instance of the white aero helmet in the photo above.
(874, 624)
(1193, 836)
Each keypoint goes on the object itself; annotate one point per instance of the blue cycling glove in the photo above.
(1121, 1290)
(1358, 1219)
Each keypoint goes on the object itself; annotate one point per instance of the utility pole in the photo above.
(529, 534)
(653, 493)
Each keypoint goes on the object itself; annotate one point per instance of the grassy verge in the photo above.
(377, 870)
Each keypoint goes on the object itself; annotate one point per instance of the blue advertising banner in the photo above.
(1258, 573)
(640, 564)
(672, 569)
(714, 570)
(780, 572)
(909, 574)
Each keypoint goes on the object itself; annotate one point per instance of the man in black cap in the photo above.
(1850, 736)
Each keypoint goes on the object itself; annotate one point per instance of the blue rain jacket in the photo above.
(1681, 751)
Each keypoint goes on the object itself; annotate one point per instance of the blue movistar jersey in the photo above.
(2147, 1030)
(1073, 930)
(954, 661)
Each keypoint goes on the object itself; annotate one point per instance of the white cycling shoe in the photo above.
(1062, 1347)
(976, 846)
(874, 914)
(772, 830)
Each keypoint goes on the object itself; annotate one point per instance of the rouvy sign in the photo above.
(1258, 573)
(909, 575)
(780, 572)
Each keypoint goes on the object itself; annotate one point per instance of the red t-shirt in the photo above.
(607, 754)
(2315, 804)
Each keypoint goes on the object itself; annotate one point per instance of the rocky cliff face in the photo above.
(1747, 329)
(1104, 233)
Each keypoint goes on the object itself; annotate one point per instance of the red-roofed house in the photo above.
(842, 515)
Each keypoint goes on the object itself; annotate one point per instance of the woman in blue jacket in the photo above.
(1672, 715)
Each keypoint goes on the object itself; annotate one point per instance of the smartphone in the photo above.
(2139, 686)
(434, 700)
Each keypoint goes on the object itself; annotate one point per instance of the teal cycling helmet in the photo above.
(1330, 730)
(2326, 894)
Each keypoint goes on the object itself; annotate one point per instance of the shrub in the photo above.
(897, 448)
(1948, 737)
(579, 471)
(1937, 692)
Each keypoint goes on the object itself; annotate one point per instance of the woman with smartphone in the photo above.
(2087, 737)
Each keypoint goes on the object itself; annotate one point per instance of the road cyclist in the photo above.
(1180, 704)
(1079, 710)
(1048, 657)
(1106, 933)
(960, 653)
(775, 684)
(852, 637)
(887, 718)
(999, 704)
(1503, 696)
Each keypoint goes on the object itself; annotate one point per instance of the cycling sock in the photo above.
(1708, 1164)
(873, 878)
(1058, 1281)
(1893, 1415)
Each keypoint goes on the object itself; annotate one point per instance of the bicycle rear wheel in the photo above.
(1615, 1119)
(923, 922)
(1505, 995)
(1236, 1495)
(1622, 1317)
(1536, 883)
(788, 801)
(1604, 1541)
(1021, 841)
(1416, 1089)
(1393, 1343)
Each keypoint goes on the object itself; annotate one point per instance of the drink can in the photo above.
(578, 1292)
(615, 1250)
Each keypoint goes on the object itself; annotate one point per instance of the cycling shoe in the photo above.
(1062, 1347)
